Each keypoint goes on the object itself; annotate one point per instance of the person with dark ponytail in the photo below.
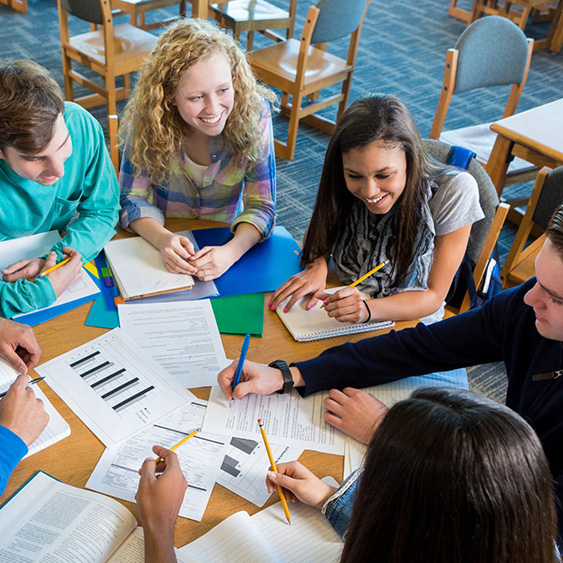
(449, 476)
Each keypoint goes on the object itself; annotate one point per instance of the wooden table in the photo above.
(73, 459)
(535, 135)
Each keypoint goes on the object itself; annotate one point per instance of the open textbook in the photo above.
(139, 271)
(47, 520)
(315, 323)
(267, 537)
(56, 430)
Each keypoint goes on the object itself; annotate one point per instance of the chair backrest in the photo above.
(493, 51)
(488, 197)
(87, 10)
(550, 197)
(337, 19)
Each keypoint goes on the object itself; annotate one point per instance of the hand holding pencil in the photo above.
(64, 273)
(348, 305)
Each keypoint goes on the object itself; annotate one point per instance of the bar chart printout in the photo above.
(113, 386)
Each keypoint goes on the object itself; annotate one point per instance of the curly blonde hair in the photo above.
(153, 126)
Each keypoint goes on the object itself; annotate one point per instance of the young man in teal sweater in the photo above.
(55, 174)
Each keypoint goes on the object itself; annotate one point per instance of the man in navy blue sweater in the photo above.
(22, 416)
(522, 327)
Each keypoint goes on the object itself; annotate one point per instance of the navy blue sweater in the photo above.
(503, 329)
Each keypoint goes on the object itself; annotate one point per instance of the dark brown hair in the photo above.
(554, 230)
(450, 476)
(30, 103)
(373, 118)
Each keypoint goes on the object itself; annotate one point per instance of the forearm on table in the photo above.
(150, 229)
(246, 236)
(405, 306)
(159, 546)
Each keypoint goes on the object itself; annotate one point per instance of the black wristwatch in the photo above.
(287, 377)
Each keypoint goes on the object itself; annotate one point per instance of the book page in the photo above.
(116, 473)
(138, 268)
(315, 323)
(113, 386)
(51, 522)
(181, 337)
(56, 429)
(266, 536)
(289, 419)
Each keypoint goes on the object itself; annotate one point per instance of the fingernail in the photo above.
(325, 301)
(285, 310)
(309, 306)
(269, 304)
(272, 476)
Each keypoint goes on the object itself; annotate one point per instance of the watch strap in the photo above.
(286, 373)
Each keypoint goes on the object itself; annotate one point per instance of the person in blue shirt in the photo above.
(22, 415)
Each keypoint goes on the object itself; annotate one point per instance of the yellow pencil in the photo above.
(48, 270)
(274, 468)
(360, 280)
(182, 441)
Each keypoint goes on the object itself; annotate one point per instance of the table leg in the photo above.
(498, 162)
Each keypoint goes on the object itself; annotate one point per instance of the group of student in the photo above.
(448, 476)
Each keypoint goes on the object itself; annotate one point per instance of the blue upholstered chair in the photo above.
(490, 52)
(546, 195)
(302, 68)
(484, 233)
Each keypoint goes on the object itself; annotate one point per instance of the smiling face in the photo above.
(546, 297)
(205, 95)
(47, 166)
(376, 174)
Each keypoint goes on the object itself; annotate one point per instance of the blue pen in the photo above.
(243, 352)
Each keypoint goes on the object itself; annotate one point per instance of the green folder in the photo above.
(240, 314)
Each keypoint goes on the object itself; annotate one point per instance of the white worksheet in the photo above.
(245, 464)
(56, 429)
(288, 419)
(267, 537)
(34, 246)
(391, 393)
(113, 386)
(182, 337)
(116, 473)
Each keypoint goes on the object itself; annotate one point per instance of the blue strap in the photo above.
(460, 157)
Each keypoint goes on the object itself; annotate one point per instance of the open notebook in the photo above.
(139, 271)
(56, 430)
(266, 536)
(316, 324)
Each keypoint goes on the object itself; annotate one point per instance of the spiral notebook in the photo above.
(315, 324)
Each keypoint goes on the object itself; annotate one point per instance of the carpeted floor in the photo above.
(401, 52)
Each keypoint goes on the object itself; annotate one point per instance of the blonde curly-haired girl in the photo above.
(198, 142)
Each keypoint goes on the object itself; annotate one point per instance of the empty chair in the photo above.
(111, 51)
(490, 52)
(255, 15)
(546, 195)
(300, 69)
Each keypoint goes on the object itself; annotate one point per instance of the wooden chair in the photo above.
(255, 15)
(520, 16)
(300, 69)
(137, 10)
(113, 124)
(546, 195)
(484, 233)
(111, 51)
(18, 5)
(490, 52)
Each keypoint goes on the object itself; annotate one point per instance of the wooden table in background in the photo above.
(73, 459)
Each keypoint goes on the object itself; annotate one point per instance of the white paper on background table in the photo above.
(288, 419)
(113, 386)
(116, 473)
(182, 337)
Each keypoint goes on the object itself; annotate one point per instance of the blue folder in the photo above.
(263, 268)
